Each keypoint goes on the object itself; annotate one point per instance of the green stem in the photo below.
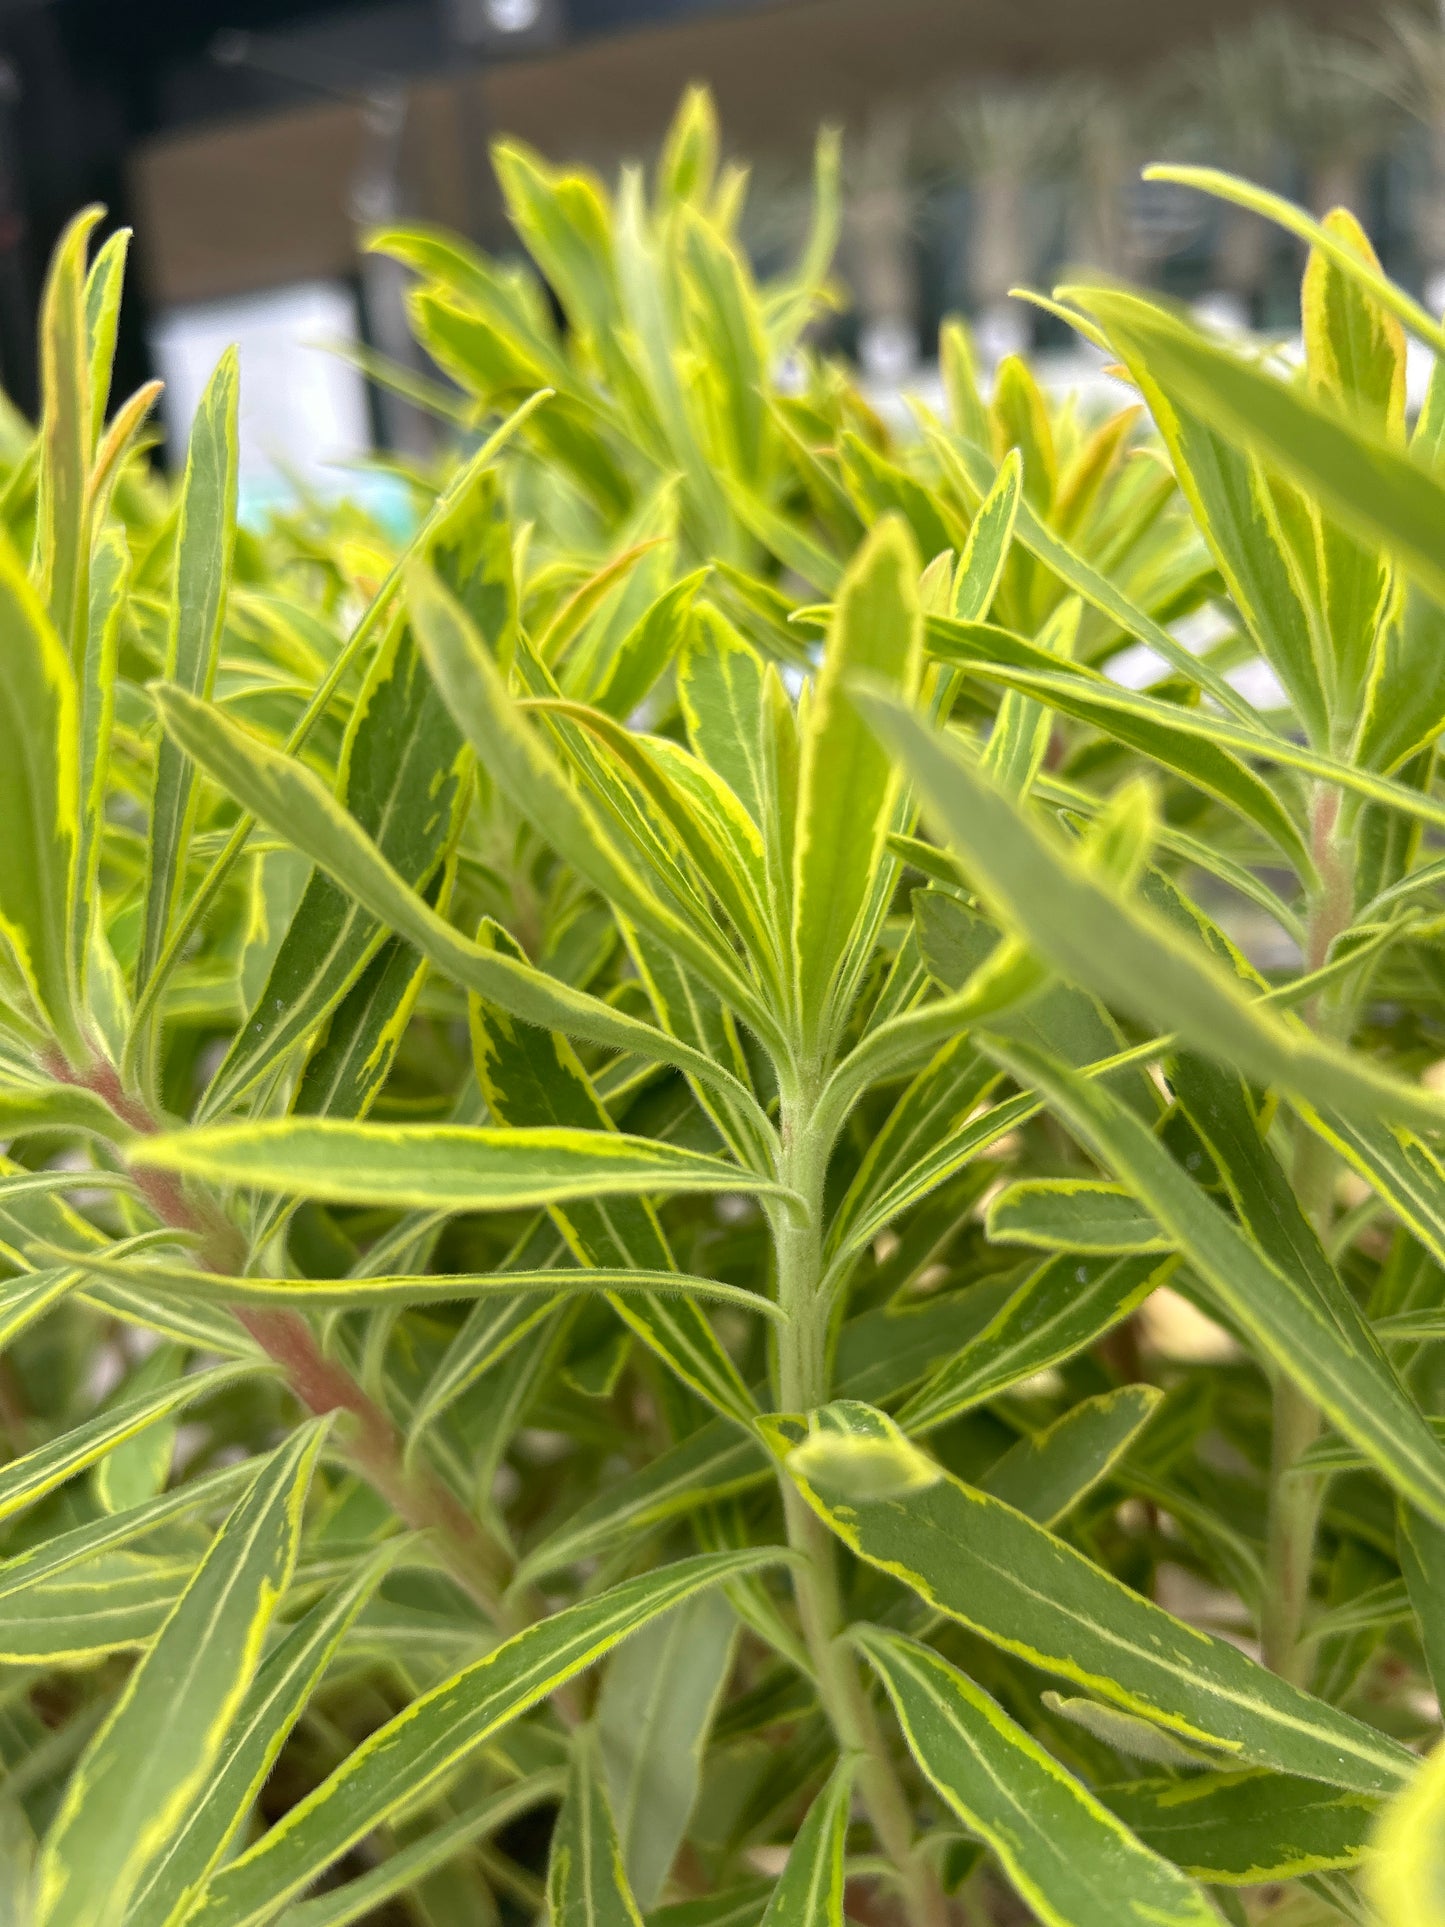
(802, 1386)
(1294, 1497)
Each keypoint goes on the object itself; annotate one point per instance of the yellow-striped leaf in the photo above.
(455, 1167)
(809, 1892)
(286, 796)
(586, 1881)
(1241, 1829)
(847, 786)
(136, 1782)
(399, 1765)
(1284, 1312)
(205, 546)
(1065, 1305)
(1028, 1592)
(1121, 950)
(277, 1697)
(1073, 1863)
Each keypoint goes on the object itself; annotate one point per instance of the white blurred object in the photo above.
(1001, 330)
(302, 410)
(1222, 310)
(888, 350)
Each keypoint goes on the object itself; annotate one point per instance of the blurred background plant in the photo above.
(254, 142)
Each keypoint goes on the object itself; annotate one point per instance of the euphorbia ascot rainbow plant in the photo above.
(597, 1109)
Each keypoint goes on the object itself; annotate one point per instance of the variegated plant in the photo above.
(602, 1110)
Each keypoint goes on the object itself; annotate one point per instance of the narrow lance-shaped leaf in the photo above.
(1046, 1475)
(104, 285)
(135, 1783)
(1072, 1862)
(1241, 1829)
(39, 801)
(1122, 951)
(400, 774)
(397, 1766)
(846, 784)
(534, 1080)
(809, 1892)
(62, 526)
(515, 757)
(653, 1714)
(1355, 355)
(405, 1869)
(278, 1696)
(109, 582)
(586, 1881)
(29, 1478)
(454, 1167)
(1286, 1315)
(286, 796)
(1378, 493)
(1024, 1590)
(1056, 1311)
(205, 545)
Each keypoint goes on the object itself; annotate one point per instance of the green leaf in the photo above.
(401, 773)
(1046, 1475)
(1240, 1829)
(397, 1766)
(39, 801)
(1022, 1589)
(30, 1477)
(62, 524)
(285, 795)
(1121, 950)
(117, 1601)
(520, 763)
(720, 692)
(1065, 1305)
(205, 547)
(1420, 1544)
(1285, 1314)
(109, 585)
(138, 1778)
(1070, 1860)
(586, 1882)
(409, 1865)
(54, 1556)
(653, 1714)
(59, 1107)
(1072, 1214)
(1355, 355)
(932, 1111)
(104, 285)
(981, 566)
(455, 1167)
(141, 1467)
(809, 1892)
(533, 1080)
(429, 1287)
(1378, 493)
(847, 787)
(1178, 738)
(277, 1697)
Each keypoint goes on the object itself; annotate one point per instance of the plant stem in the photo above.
(1294, 1498)
(803, 1385)
(321, 1384)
